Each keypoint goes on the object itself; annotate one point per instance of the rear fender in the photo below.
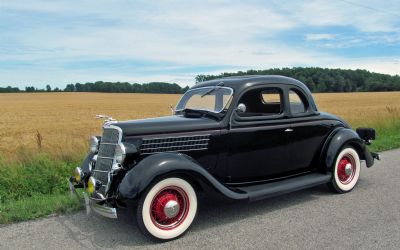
(342, 137)
(139, 178)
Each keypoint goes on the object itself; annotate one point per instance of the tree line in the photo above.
(317, 80)
(107, 87)
(326, 80)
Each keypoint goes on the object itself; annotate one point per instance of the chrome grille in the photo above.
(105, 158)
(107, 150)
(110, 135)
(175, 144)
(102, 176)
(103, 164)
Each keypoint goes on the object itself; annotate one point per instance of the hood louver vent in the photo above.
(175, 144)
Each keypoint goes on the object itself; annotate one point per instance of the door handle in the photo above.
(288, 130)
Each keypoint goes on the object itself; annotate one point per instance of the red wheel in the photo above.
(346, 171)
(167, 209)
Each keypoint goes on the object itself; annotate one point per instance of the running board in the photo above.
(262, 191)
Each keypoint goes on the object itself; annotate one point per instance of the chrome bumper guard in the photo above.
(376, 156)
(103, 210)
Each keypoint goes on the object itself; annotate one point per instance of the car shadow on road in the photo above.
(99, 232)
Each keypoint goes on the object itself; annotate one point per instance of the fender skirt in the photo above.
(140, 177)
(345, 136)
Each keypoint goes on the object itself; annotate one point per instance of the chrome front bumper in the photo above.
(103, 210)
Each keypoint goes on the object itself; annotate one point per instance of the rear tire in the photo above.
(167, 209)
(346, 171)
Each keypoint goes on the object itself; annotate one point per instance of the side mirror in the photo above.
(241, 108)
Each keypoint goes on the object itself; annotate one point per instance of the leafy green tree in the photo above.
(69, 88)
(326, 80)
(30, 89)
(316, 79)
(9, 89)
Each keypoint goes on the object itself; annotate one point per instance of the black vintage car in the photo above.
(241, 138)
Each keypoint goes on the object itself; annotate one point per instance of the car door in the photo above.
(308, 132)
(257, 138)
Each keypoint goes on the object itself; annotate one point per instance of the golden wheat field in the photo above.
(60, 124)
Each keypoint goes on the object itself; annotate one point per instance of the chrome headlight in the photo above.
(94, 144)
(78, 174)
(120, 153)
(91, 186)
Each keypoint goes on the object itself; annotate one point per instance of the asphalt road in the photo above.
(366, 218)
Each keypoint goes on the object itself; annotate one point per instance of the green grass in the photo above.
(387, 136)
(36, 185)
(38, 206)
(34, 188)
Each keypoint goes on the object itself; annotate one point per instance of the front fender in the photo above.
(141, 176)
(85, 164)
(340, 138)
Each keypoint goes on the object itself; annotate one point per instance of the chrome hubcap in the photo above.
(348, 169)
(171, 209)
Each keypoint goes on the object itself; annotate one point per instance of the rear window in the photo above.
(297, 102)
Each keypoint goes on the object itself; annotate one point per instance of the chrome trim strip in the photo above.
(101, 171)
(105, 157)
(144, 143)
(173, 137)
(109, 143)
(183, 150)
(190, 145)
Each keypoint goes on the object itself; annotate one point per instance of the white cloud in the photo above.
(342, 13)
(232, 35)
(384, 65)
(318, 37)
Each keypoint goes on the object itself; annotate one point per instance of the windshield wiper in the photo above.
(218, 86)
(190, 112)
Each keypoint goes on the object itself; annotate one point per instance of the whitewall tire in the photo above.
(346, 171)
(167, 209)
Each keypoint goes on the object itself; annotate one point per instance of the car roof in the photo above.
(240, 82)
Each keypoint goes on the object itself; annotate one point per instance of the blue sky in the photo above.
(60, 42)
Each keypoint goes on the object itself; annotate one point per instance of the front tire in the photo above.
(346, 171)
(167, 209)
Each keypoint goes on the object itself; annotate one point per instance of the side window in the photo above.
(297, 102)
(262, 102)
(272, 100)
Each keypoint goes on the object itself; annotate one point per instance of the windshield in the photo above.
(214, 99)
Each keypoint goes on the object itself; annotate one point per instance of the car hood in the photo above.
(166, 124)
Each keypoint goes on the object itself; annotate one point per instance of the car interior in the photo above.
(262, 102)
(269, 102)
